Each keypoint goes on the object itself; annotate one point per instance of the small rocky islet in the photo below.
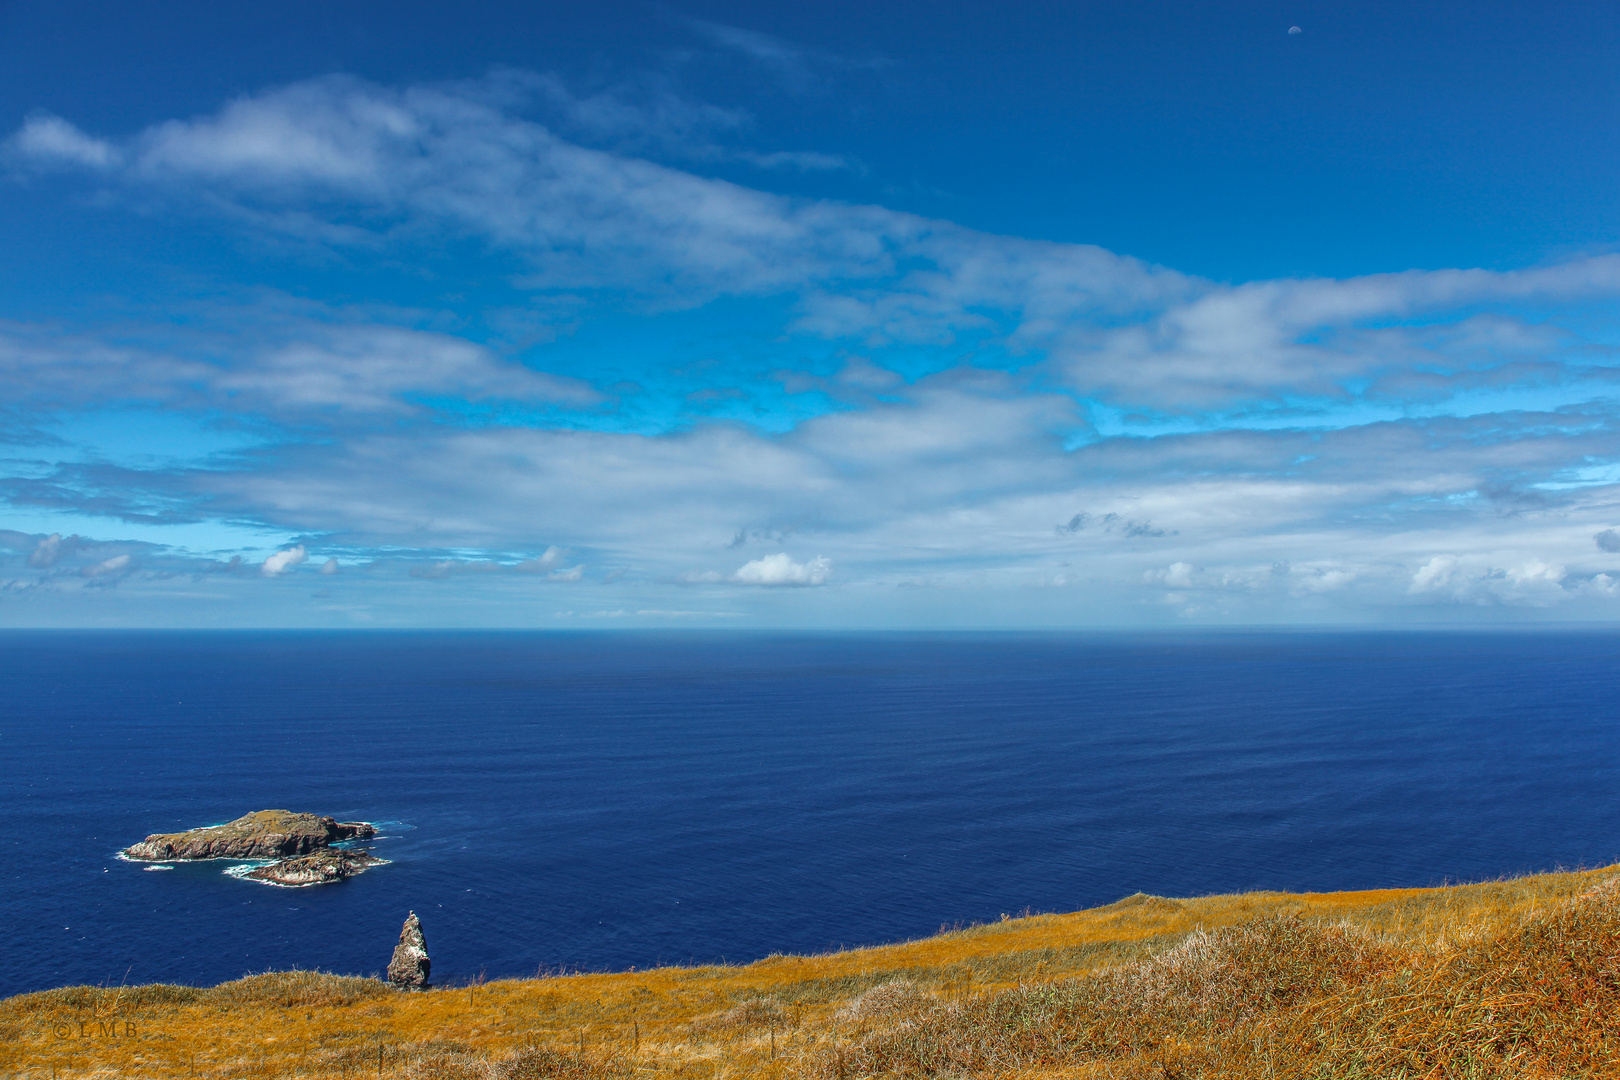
(332, 864)
(300, 844)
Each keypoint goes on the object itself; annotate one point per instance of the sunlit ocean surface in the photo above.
(599, 801)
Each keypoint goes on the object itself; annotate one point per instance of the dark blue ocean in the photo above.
(606, 800)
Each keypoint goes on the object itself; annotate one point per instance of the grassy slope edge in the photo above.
(1515, 978)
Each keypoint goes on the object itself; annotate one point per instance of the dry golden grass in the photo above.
(1517, 978)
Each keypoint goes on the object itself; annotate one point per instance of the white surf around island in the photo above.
(150, 864)
(241, 870)
(392, 827)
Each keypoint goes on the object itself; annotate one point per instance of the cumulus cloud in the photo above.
(58, 560)
(1533, 581)
(329, 567)
(283, 561)
(543, 563)
(1322, 580)
(118, 564)
(780, 569)
(1435, 575)
(46, 552)
(1608, 540)
(1178, 575)
(770, 570)
(1535, 572)
(1603, 585)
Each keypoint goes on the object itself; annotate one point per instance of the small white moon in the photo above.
(1295, 30)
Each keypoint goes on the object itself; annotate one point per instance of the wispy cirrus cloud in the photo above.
(47, 140)
(316, 369)
(646, 116)
(338, 157)
(366, 158)
(795, 67)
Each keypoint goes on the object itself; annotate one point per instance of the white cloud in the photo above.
(45, 140)
(46, 552)
(1178, 575)
(1322, 580)
(317, 371)
(957, 473)
(1536, 572)
(593, 219)
(372, 369)
(751, 43)
(957, 480)
(329, 567)
(385, 165)
(1270, 340)
(954, 480)
(797, 160)
(780, 569)
(282, 561)
(1603, 585)
(1479, 581)
(543, 563)
(796, 67)
(645, 116)
(1435, 575)
(115, 565)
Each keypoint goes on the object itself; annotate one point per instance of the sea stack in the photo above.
(408, 970)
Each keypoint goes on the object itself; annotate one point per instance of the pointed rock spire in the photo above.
(409, 968)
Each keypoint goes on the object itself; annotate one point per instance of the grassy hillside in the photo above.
(1518, 978)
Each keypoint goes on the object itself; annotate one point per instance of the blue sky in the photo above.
(843, 315)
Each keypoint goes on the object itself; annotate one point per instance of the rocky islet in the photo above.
(331, 864)
(300, 844)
